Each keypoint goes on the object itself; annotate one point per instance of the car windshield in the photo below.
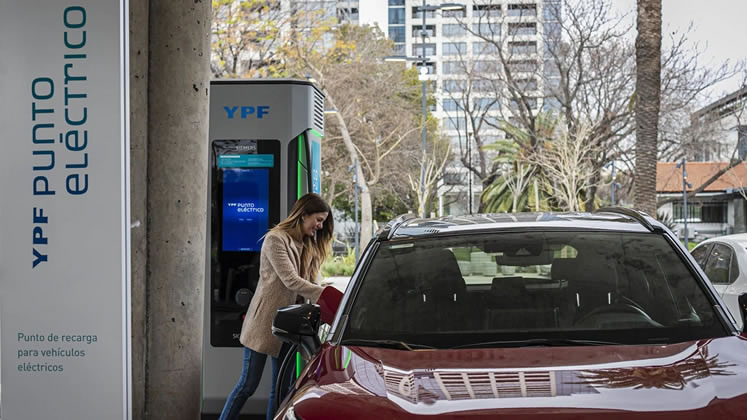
(613, 287)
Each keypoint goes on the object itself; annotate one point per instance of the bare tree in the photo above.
(566, 162)
(435, 166)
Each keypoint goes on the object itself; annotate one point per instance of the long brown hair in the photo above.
(316, 249)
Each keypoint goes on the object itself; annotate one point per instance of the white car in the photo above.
(724, 260)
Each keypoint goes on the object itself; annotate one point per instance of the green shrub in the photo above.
(340, 265)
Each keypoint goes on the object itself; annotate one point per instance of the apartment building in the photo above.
(720, 129)
(460, 42)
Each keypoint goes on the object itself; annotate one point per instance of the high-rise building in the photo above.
(460, 41)
(719, 129)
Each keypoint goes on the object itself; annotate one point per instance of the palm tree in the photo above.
(648, 89)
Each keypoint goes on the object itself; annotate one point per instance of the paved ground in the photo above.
(339, 283)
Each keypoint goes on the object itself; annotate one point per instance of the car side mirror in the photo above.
(742, 300)
(299, 324)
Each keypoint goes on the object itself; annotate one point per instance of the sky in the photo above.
(719, 28)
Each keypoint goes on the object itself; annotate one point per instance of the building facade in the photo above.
(720, 129)
(720, 209)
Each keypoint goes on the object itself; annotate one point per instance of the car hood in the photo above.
(699, 379)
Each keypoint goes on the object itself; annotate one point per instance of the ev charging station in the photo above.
(264, 153)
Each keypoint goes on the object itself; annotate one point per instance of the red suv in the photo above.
(561, 316)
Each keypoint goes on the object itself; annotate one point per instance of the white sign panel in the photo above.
(64, 234)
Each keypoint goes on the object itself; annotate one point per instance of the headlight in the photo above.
(290, 414)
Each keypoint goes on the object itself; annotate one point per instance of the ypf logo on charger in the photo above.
(244, 112)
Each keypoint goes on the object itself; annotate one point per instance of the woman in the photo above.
(290, 261)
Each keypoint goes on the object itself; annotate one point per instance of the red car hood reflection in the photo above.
(693, 380)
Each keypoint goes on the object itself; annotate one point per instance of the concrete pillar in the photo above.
(178, 85)
(138, 195)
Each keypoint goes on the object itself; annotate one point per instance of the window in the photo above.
(452, 29)
(531, 102)
(705, 212)
(397, 34)
(522, 10)
(347, 14)
(455, 123)
(487, 29)
(417, 49)
(526, 84)
(483, 66)
(486, 10)
(396, 15)
(450, 105)
(719, 263)
(399, 50)
(701, 254)
(484, 48)
(430, 30)
(552, 30)
(487, 104)
(417, 14)
(482, 85)
(452, 67)
(396, 2)
(522, 28)
(522, 66)
(528, 47)
(742, 141)
(575, 284)
(454, 48)
(453, 86)
(551, 10)
(458, 13)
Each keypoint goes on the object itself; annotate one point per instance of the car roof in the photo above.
(737, 238)
(412, 226)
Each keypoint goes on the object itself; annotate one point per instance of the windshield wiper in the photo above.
(385, 343)
(538, 342)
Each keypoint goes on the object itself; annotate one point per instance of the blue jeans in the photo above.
(251, 373)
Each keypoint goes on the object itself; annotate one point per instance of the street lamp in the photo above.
(469, 170)
(614, 185)
(685, 186)
(423, 71)
(354, 169)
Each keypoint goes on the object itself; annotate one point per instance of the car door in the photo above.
(718, 267)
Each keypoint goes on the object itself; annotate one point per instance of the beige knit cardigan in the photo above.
(279, 285)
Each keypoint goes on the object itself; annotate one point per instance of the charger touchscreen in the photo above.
(245, 208)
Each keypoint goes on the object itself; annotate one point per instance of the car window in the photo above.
(622, 287)
(719, 261)
(701, 254)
